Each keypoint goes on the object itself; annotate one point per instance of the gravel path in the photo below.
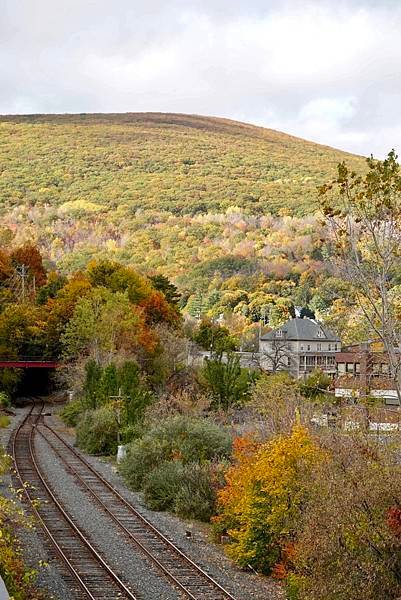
(243, 585)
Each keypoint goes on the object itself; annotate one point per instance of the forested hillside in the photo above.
(215, 205)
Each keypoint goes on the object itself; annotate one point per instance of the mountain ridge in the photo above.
(43, 117)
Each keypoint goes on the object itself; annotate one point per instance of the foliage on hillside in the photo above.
(206, 202)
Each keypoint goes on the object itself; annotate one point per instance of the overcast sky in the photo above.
(328, 71)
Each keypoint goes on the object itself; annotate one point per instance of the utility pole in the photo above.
(22, 273)
(118, 405)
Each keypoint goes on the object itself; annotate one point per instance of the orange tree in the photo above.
(261, 502)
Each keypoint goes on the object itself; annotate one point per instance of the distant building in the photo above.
(363, 370)
(299, 346)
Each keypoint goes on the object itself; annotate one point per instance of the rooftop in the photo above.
(301, 329)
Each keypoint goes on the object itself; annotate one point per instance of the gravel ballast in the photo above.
(208, 555)
(112, 545)
(34, 550)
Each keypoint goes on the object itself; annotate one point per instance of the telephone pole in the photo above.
(19, 282)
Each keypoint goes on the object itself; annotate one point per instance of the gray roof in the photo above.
(302, 329)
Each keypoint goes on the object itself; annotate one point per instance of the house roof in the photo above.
(302, 329)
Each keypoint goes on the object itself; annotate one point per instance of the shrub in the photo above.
(178, 438)
(315, 385)
(143, 455)
(5, 401)
(196, 496)
(173, 464)
(4, 421)
(71, 412)
(349, 542)
(161, 485)
(97, 431)
(188, 489)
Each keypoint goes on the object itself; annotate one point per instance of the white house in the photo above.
(299, 346)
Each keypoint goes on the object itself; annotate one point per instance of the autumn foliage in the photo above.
(262, 499)
(104, 311)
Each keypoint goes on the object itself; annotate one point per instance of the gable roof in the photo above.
(302, 329)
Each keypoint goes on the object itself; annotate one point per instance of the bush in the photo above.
(349, 539)
(178, 438)
(173, 464)
(97, 431)
(143, 455)
(71, 412)
(5, 401)
(196, 496)
(315, 385)
(188, 490)
(161, 485)
(262, 501)
(4, 421)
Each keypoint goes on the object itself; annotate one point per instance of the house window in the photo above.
(335, 347)
(320, 333)
(341, 368)
(310, 361)
(331, 360)
(289, 361)
(279, 333)
(350, 367)
(357, 368)
(319, 346)
(308, 347)
(329, 346)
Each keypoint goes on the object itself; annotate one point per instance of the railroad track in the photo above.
(192, 581)
(89, 575)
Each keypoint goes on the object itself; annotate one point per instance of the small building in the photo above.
(363, 370)
(299, 346)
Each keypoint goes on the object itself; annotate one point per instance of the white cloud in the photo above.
(328, 71)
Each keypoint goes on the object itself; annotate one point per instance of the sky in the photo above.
(327, 70)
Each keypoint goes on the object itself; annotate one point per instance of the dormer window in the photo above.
(320, 333)
(279, 333)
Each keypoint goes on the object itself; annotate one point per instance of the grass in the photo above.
(4, 421)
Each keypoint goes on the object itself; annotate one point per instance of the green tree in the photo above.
(228, 383)
(214, 338)
(93, 376)
(102, 325)
(164, 285)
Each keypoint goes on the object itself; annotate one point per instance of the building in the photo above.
(299, 346)
(363, 370)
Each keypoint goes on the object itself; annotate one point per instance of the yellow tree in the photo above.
(262, 499)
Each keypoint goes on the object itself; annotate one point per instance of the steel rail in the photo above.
(146, 524)
(118, 522)
(76, 532)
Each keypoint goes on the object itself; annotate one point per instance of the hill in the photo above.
(211, 203)
(180, 163)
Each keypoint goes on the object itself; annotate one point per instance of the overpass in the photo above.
(28, 363)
